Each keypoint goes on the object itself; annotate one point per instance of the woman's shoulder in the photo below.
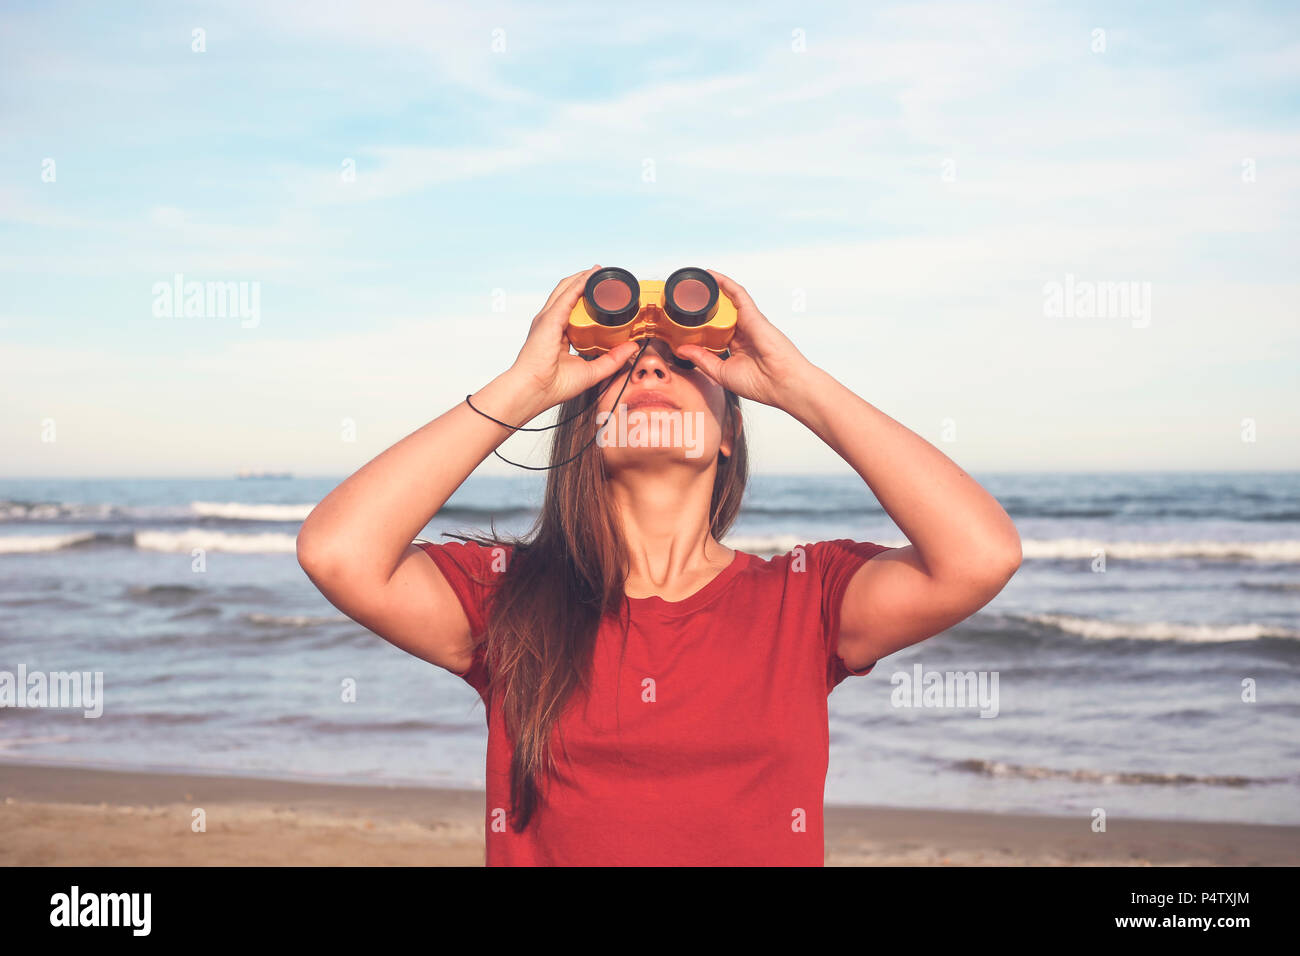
(485, 555)
(814, 555)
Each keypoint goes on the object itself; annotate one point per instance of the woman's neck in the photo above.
(664, 517)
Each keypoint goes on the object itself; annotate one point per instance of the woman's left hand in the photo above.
(762, 362)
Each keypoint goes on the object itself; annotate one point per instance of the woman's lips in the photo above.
(650, 401)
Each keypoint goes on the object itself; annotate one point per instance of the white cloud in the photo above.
(822, 170)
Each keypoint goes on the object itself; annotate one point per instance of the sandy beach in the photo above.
(75, 817)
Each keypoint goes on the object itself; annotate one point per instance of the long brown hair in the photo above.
(564, 576)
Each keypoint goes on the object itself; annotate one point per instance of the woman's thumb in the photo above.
(703, 358)
(611, 361)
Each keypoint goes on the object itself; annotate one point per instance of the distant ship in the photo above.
(262, 473)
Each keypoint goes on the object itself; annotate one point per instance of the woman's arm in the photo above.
(356, 543)
(964, 547)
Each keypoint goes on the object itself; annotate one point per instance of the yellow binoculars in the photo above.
(687, 308)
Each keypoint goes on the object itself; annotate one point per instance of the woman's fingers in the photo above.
(611, 362)
(734, 290)
(561, 287)
(558, 311)
(704, 360)
(550, 323)
(566, 287)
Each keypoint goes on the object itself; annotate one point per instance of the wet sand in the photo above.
(70, 816)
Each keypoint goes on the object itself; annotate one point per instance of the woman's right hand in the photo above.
(545, 362)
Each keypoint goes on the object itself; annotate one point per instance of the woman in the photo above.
(654, 697)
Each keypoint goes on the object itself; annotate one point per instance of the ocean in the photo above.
(1165, 683)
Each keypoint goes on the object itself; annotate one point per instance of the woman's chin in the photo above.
(657, 455)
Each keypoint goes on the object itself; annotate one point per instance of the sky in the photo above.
(908, 190)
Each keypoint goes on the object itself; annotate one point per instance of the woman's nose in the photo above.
(651, 361)
(658, 358)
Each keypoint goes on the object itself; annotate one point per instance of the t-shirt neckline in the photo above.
(701, 597)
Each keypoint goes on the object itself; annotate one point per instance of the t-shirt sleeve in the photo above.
(835, 562)
(469, 568)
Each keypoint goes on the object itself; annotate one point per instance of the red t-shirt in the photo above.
(710, 746)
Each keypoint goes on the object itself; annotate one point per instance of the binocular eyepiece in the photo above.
(687, 308)
(613, 296)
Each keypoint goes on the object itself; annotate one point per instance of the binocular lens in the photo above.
(691, 295)
(611, 295)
